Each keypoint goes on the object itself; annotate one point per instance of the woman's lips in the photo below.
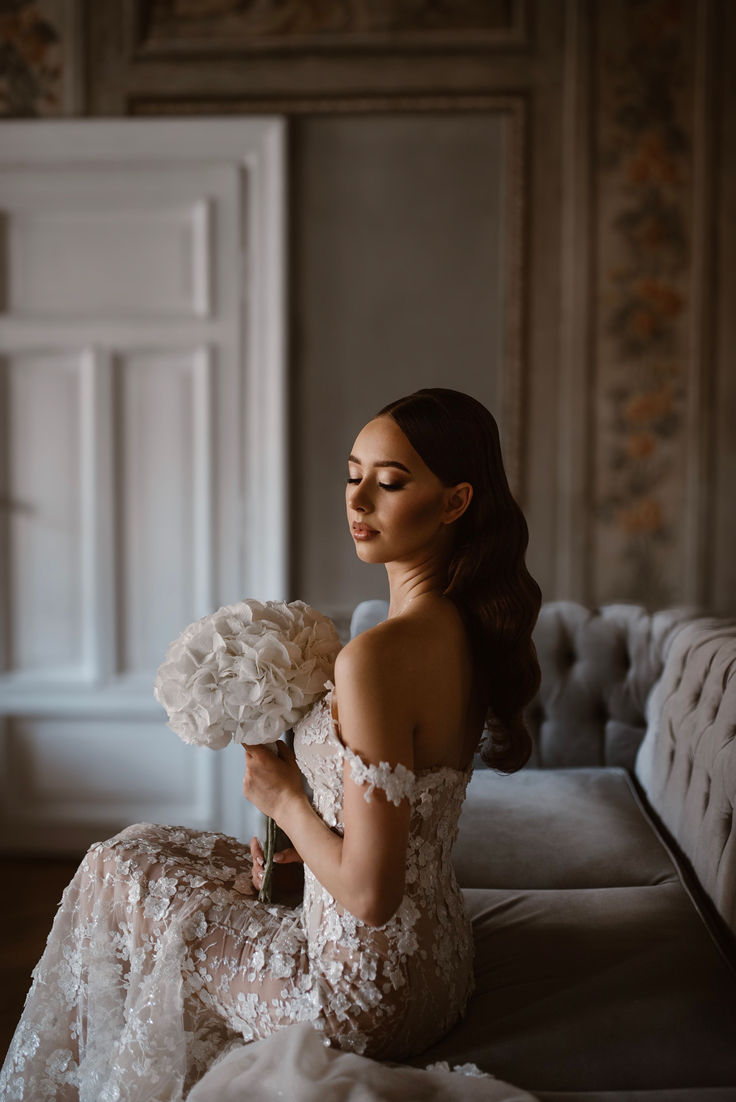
(363, 532)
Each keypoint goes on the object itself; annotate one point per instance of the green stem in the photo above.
(264, 895)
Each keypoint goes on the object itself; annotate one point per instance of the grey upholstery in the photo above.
(593, 966)
(687, 762)
(588, 988)
(366, 615)
(513, 834)
(598, 668)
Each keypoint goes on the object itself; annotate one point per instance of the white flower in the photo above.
(246, 672)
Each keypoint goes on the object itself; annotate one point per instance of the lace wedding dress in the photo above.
(161, 958)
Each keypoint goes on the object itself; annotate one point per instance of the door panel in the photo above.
(142, 362)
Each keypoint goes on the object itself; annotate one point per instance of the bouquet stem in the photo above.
(264, 895)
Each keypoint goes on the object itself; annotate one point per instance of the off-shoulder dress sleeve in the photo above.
(397, 782)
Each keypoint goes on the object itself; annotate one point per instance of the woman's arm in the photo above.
(363, 870)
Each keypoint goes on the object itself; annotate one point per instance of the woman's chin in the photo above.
(367, 551)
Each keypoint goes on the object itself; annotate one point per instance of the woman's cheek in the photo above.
(419, 516)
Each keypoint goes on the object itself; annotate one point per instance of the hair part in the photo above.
(487, 578)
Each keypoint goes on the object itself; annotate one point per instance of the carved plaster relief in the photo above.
(170, 26)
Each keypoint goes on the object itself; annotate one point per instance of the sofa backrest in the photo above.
(598, 667)
(687, 761)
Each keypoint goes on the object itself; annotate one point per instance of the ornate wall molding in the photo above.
(514, 109)
(165, 58)
(699, 548)
(165, 29)
(576, 423)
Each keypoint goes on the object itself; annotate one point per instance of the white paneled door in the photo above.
(142, 454)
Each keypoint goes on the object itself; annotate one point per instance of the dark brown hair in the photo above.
(487, 578)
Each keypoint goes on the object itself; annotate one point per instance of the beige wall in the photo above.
(604, 342)
(398, 284)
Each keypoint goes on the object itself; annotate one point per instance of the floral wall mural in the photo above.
(643, 191)
(31, 58)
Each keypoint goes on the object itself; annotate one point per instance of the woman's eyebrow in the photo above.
(381, 463)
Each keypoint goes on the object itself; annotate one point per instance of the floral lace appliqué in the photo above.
(396, 781)
(161, 956)
(460, 1069)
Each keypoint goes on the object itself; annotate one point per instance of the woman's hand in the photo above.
(287, 885)
(272, 781)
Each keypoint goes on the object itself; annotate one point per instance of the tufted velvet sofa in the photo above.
(601, 878)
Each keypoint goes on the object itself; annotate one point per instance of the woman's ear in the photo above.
(457, 501)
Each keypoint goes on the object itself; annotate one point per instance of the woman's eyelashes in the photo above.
(383, 485)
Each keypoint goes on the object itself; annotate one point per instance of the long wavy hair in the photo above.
(487, 578)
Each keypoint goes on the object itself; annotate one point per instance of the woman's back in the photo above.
(428, 643)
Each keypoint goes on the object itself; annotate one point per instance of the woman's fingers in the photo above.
(283, 856)
(256, 852)
(288, 885)
(286, 856)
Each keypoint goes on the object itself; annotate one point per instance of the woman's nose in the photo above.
(357, 498)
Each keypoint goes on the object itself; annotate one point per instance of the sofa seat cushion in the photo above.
(618, 988)
(557, 828)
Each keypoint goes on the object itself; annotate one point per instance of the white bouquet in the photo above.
(247, 673)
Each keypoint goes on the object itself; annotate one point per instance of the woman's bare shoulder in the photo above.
(374, 709)
(379, 650)
(407, 648)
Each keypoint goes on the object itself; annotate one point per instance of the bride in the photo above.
(161, 959)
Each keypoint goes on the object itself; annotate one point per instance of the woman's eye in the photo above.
(382, 485)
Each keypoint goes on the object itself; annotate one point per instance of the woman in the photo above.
(160, 957)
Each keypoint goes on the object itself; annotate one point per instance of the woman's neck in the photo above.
(406, 585)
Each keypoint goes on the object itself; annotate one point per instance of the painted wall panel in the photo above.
(87, 769)
(146, 259)
(43, 465)
(154, 429)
